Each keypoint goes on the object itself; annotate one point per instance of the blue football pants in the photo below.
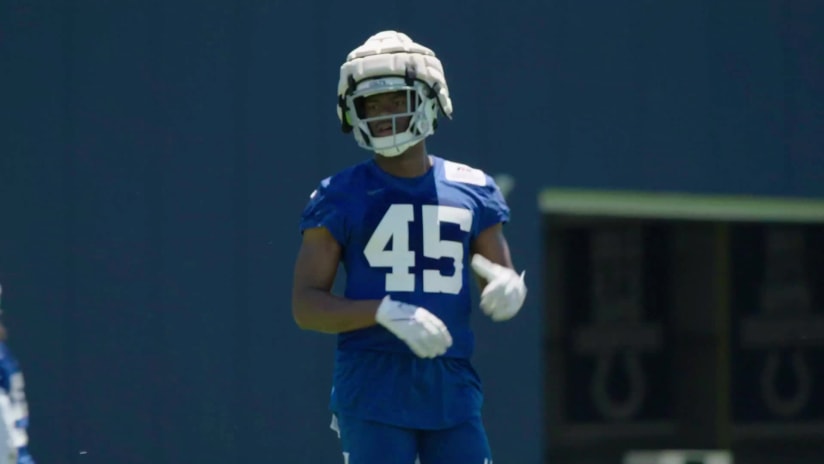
(367, 442)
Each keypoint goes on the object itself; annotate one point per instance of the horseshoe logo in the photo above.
(790, 406)
(609, 406)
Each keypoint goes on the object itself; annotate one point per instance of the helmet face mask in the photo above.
(400, 128)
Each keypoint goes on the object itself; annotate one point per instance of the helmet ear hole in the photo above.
(345, 120)
(434, 90)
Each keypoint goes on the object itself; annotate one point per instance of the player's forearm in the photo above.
(321, 311)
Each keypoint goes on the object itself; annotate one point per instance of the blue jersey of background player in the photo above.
(14, 409)
(407, 227)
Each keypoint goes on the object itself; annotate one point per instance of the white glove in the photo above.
(505, 290)
(425, 334)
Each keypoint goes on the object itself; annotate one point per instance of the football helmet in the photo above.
(390, 61)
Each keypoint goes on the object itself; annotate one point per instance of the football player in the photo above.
(407, 226)
(14, 409)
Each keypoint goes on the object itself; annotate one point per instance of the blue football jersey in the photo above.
(17, 411)
(409, 238)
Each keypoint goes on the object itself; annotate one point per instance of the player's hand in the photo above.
(505, 290)
(425, 334)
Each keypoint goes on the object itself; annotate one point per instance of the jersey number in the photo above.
(394, 227)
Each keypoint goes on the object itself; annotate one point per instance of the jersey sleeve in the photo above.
(494, 209)
(323, 210)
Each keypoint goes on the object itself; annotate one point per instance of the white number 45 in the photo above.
(395, 227)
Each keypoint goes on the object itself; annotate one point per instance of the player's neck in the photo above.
(414, 162)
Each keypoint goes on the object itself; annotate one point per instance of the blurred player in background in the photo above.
(14, 410)
(404, 225)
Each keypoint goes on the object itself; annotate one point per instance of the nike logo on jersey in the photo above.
(374, 192)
